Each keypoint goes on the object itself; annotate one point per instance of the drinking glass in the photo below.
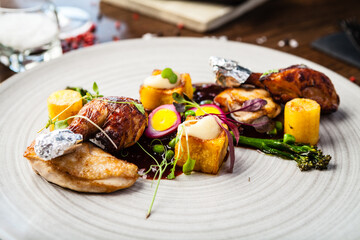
(29, 33)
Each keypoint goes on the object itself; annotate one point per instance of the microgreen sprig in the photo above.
(138, 106)
(161, 167)
(269, 72)
(61, 124)
(86, 95)
(184, 102)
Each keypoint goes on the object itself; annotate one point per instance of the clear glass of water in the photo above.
(29, 33)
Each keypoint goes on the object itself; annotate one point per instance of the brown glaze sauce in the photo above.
(134, 154)
(137, 156)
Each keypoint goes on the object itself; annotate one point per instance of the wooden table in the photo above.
(302, 20)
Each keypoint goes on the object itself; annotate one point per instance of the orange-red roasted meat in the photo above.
(298, 81)
(122, 122)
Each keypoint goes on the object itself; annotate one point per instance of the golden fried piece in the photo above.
(233, 98)
(122, 122)
(152, 97)
(298, 81)
(88, 169)
(209, 154)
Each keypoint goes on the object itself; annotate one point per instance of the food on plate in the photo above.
(206, 108)
(163, 120)
(296, 81)
(87, 169)
(118, 117)
(202, 145)
(307, 157)
(302, 120)
(234, 98)
(158, 88)
(179, 132)
(299, 81)
(63, 104)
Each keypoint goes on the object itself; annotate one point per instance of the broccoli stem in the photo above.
(306, 156)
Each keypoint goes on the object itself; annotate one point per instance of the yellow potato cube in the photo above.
(152, 97)
(60, 100)
(302, 120)
(209, 154)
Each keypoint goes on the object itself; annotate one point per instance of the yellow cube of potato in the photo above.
(61, 100)
(208, 154)
(302, 120)
(152, 97)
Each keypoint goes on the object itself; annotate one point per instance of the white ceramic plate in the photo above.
(279, 201)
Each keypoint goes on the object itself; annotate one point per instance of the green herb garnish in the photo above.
(170, 75)
(161, 167)
(269, 72)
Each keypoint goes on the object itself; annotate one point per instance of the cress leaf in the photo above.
(177, 97)
(96, 88)
(180, 107)
(189, 166)
(49, 122)
(187, 98)
(79, 90)
(61, 124)
(171, 175)
(269, 72)
(139, 107)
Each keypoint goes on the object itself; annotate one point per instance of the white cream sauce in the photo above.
(157, 81)
(206, 128)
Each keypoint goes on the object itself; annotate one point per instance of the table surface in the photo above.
(302, 20)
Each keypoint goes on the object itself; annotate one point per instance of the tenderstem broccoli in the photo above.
(306, 156)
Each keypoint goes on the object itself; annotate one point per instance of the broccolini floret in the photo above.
(306, 156)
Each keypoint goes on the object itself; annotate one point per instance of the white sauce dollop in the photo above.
(206, 128)
(159, 82)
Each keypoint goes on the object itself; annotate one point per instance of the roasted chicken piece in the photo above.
(88, 169)
(122, 122)
(233, 98)
(298, 81)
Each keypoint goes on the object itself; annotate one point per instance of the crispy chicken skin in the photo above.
(88, 169)
(233, 98)
(122, 122)
(298, 81)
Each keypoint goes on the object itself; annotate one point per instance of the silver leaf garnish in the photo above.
(228, 72)
(56, 143)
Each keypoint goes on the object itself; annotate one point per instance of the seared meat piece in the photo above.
(122, 122)
(233, 98)
(88, 169)
(299, 81)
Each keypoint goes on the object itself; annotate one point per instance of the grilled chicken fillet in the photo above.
(88, 169)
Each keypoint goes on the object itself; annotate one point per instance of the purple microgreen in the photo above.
(231, 145)
(263, 124)
(180, 107)
(251, 105)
